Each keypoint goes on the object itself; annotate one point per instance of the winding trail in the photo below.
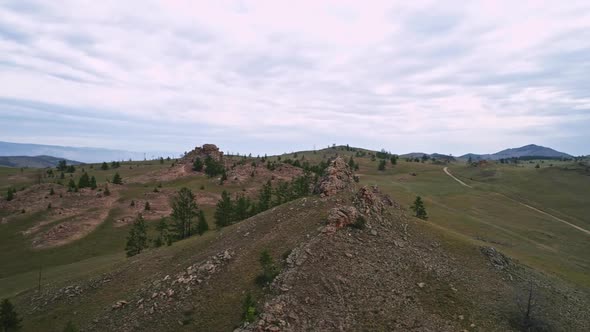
(446, 170)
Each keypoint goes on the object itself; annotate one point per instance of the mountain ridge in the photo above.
(82, 154)
(33, 161)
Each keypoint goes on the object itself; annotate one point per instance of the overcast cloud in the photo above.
(274, 76)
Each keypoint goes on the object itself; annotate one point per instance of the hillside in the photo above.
(349, 254)
(83, 154)
(34, 162)
(530, 150)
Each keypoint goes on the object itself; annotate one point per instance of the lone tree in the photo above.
(418, 208)
(9, 320)
(202, 225)
(198, 165)
(104, 166)
(382, 164)
(117, 179)
(10, 194)
(269, 269)
(137, 238)
(84, 181)
(93, 183)
(225, 211)
(184, 210)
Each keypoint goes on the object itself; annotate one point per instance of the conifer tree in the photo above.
(419, 209)
(51, 191)
(242, 208)
(202, 225)
(137, 238)
(224, 213)
(62, 166)
(9, 320)
(117, 179)
(382, 164)
(93, 183)
(163, 234)
(104, 166)
(10, 194)
(72, 186)
(184, 210)
(107, 192)
(351, 163)
(147, 206)
(265, 197)
(198, 165)
(84, 181)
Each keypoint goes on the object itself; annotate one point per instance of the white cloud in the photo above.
(317, 70)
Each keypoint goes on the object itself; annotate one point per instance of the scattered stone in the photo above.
(421, 284)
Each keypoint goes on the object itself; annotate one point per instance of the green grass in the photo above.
(486, 216)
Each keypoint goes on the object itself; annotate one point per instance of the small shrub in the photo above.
(359, 223)
(249, 309)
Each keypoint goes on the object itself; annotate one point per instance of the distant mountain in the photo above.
(530, 150)
(83, 154)
(34, 162)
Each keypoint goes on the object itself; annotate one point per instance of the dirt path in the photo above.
(446, 170)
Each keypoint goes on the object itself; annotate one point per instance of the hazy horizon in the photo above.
(262, 77)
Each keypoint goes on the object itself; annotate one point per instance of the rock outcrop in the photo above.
(340, 217)
(338, 177)
(371, 200)
(207, 150)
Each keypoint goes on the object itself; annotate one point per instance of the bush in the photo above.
(249, 309)
(269, 269)
(9, 320)
(359, 223)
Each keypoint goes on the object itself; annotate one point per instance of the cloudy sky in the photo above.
(274, 76)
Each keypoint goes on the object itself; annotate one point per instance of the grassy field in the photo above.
(488, 214)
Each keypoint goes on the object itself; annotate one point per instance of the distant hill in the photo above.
(34, 162)
(83, 154)
(530, 150)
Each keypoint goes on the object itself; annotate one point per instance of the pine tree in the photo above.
(72, 186)
(117, 179)
(418, 208)
(249, 309)
(269, 269)
(107, 192)
(198, 165)
(184, 210)
(382, 164)
(84, 181)
(282, 193)
(104, 166)
(202, 225)
(264, 197)
(163, 236)
(51, 191)
(351, 163)
(213, 167)
(224, 212)
(137, 238)
(242, 208)
(393, 159)
(9, 320)
(93, 183)
(10, 194)
(147, 206)
(62, 176)
(71, 169)
(62, 165)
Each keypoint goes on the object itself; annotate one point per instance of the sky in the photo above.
(280, 76)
